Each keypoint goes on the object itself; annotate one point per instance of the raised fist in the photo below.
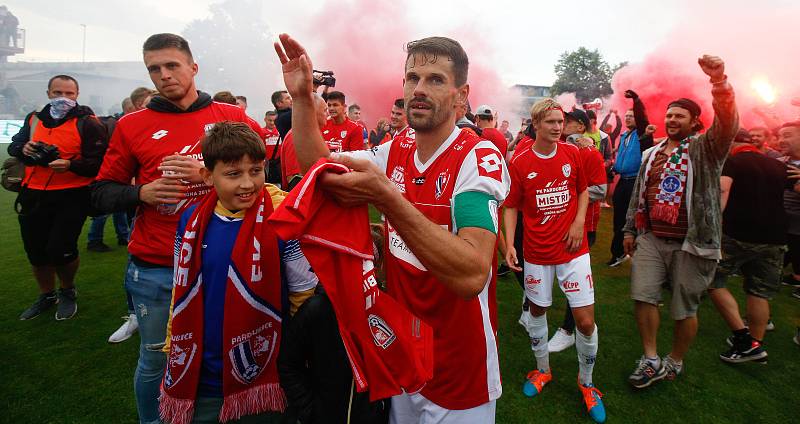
(713, 66)
(630, 94)
(650, 129)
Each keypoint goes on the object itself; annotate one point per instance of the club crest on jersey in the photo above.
(343, 134)
(250, 357)
(382, 334)
(566, 169)
(441, 183)
(180, 358)
(398, 178)
(207, 127)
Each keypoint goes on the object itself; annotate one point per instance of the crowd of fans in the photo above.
(235, 325)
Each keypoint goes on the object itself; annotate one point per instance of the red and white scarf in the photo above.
(252, 320)
(672, 187)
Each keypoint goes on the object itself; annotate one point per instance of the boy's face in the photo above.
(237, 184)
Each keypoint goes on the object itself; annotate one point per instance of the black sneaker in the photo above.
(43, 303)
(645, 375)
(502, 270)
(98, 246)
(67, 307)
(789, 280)
(737, 355)
(615, 262)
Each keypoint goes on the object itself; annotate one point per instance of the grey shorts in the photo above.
(759, 264)
(659, 263)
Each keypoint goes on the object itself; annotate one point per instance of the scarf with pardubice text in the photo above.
(671, 188)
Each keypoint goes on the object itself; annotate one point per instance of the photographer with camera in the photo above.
(62, 147)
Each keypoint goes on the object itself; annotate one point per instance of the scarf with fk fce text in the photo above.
(671, 188)
(252, 320)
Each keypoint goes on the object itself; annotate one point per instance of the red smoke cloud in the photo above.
(756, 44)
(363, 42)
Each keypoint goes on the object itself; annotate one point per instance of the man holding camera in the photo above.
(62, 147)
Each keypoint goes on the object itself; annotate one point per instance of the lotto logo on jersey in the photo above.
(158, 135)
(489, 164)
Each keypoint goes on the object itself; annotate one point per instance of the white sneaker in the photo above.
(126, 330)
(560, 341)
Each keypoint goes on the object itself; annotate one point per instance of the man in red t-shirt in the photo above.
(340, 133)
(290, 168)
(548, 183)
(485, 120)
(159, 146)
(271, 134)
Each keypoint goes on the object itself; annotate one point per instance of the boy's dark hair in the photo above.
(242, 98)
(336, 95)
(433, 48)
(353, 107)
(63, 77)
(230, 142)
(400, 103)
(167, 41)
(225, 97)
(271, 113)
(276, 97)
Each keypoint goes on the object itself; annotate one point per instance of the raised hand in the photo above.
(296, 66)
(631, 94)
(650, 129)
(712, 66)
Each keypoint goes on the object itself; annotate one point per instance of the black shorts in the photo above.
(50, 222)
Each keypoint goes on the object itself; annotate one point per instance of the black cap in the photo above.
(580, 116)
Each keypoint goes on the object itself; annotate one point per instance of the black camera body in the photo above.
(44, 153)
(325, 78)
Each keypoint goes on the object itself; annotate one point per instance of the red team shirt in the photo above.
(140, 141)
(289, 163)
(270, 141)
(345, 137)
(464, 329)
(546, 190)
(497, 138)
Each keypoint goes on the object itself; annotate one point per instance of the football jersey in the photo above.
(289, 164)
(522, 145)
(271, 140)
(496, 137)
(545, 189)
(345, 137)
(140, 142)
(466, 366)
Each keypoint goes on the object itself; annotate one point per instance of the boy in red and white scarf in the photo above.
(232, 276)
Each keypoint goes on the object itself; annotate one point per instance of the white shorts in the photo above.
(574, 278)
(417, 409)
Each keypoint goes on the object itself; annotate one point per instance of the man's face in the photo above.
(573, 126)
(430, 92)
(241, 103)
(504, 126)
(397, 119)
(790, 138)
(678, 123)
(285, 102)
(269, 122)
(759, 137)
(172, 72)
(485, 121)
(630, 121)
(63, 88)
(550, 127)
(354, 115)
(336, 110)
(237, 184)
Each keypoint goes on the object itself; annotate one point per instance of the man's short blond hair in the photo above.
(539, 109)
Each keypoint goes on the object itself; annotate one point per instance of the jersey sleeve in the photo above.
(119, 164)
(515, 195)
(482, 184)
(297, 269)
(378, 155)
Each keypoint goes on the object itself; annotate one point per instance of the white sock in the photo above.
(537, 330)
(587, 354)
